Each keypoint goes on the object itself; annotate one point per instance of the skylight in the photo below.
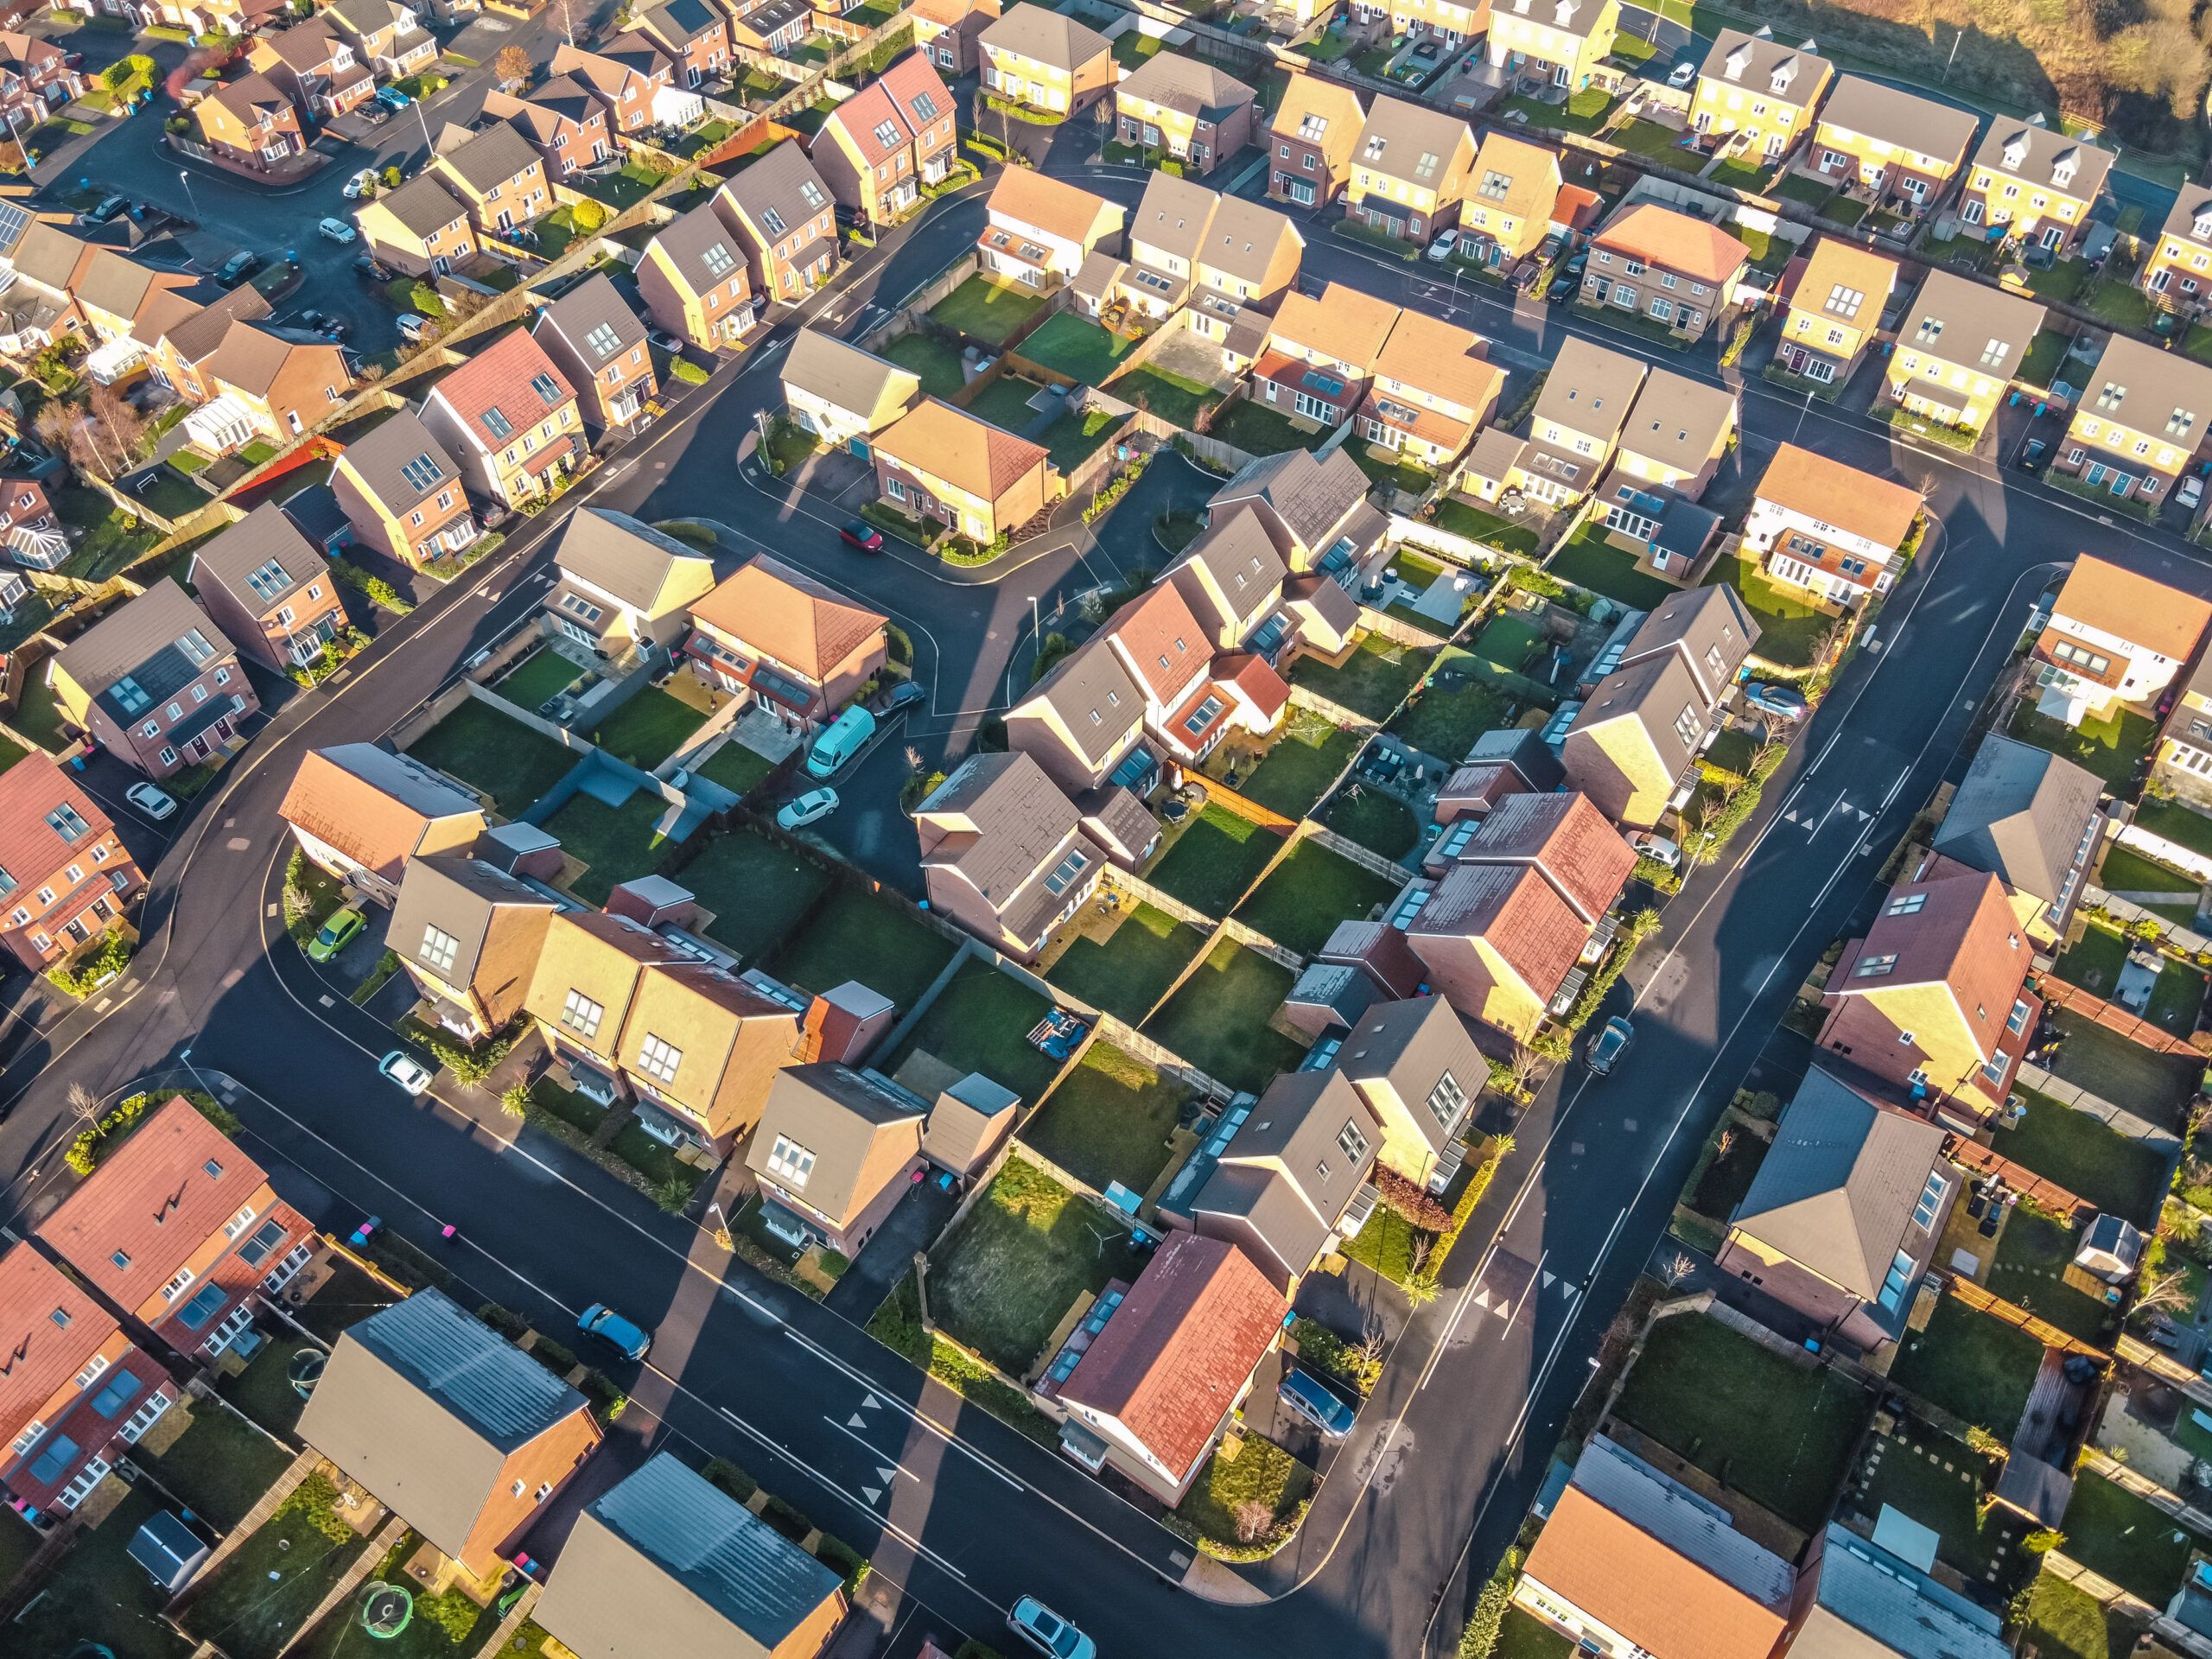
(497, 424)
(719, 260)
(542, 383)
(422, 472)
(603, 341)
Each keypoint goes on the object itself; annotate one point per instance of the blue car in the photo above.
(393, 99)
(1318, 1405)
(626, 1339)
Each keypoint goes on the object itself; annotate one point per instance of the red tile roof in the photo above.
(500, 378)
(1515, 913)
(47, 1352)
(1952, 926)
(1252, 675)
(1165, 643)
(1577, 849)
(31, 849)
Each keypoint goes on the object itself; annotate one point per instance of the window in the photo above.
(581, 1014)
(658, 1058)
(1353, 1143)
(202, 1308)
(65, 822)
(1874, 967)
(1931, 1199)
(1066, 871)
(121, 1258)
(175, 1286)
(92, 1369)
(1906, 904)
(1447, 1099)
(2018, 1019)
(238, 1222)
(790, 1162)
(1896, 1282)
(257, 1249)
(440, 950)
(222, 677)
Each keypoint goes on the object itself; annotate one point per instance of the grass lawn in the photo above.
(981, 1022)
(107, 546)
(757, 888)
(19, 1541)
(1214, 861)
(1464, 518)
(1727, 1176)
(1522, 1636)
(258, 1597)
(503, 757)
(2091, 1161)
(1175, 399)
(1385, 1243)
(1218, 1019)
(1971, 1364)
(2032, 1256)
(536, 677)
(2173, 821)
(1076, 347)
(2109, 747)
(1796, 186)
(736, 768)
(648, 729)
(1309, 892)
(1588, 561)
(1382, 823)
(616, 842)
(2094, 961)
(650, 1158)
(448, 1626)
(1008, 1273)
(1790, 633)
(1074, 438)
(1108, 1120)
(2177, 999)
(986, 311)
(220, 1466)
(935, 363)
(1446, 719)
(1260, 1473)
(1372, 680)
(1303, 765)
(1005, 402)
(1133, 46)
(858, 935)
(2063, 1623)
(100, 1595)
(1132, 970)
(2154, 1087)
(1652, 140)
(1939, 1482)
(2136, 1545)
(1779, 1432)
(2125, 870)
(1259, 431)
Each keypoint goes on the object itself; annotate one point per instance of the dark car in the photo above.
(108, 208)
(2031, 455)
(236, 269)
(897, 695)
(1608, 1045)
(1525, 278)
(1562, 289)
(1307, 1395)
(858, 532)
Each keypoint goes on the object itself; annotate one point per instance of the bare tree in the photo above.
(53, 424)
(1255, 1520)
(2164, 1291)
(84, 1105)
(119, 418)
(1523, 1064)
(1722, 1147)
(1677, 1269)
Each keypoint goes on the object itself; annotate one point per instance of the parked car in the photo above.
(1525, 278)
(1608, 1045)
(1786, 701)
(626, 1339)
(1682, 73)
(2031, 455)
(108, 208)
(1440, 250)
(337, 933)
(360, 184)
(413, 327)
(1046, 1632)
(2191, 492)
(337, 230)
(1657, 848)
(156, 802)
(393, 99)
(407, 1072)
(367, 266)
(1562, 289)
(1553, 243)
(666, 341)
(897, 695)
(858, 532)
(236, 269)
(1310, 1398)
(810, 808)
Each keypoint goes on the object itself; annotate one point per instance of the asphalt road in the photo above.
(965, 1514)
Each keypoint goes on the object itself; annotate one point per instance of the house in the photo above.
(2183, 766)
(2139, 423)
(400, 491)
(1759, 93)
(1360, 964)
(1676, 434)
(251, 122)
(1934, 1001)
(1219, 254)
(2030, 819)
(270, 384)
(182, 352)
(497, 174)
(2178, 274)
(265, 586)
(942, 464)
(949, 32)
(1044, 61)
(1432, 387)
(1414, 1065)
(387, 34)
(1189, 109)
(836, 1151)
(1448, 21)
(1508, 211)
(65, 874)
(695, 279)
(1552, 44)
(511, 416)
(36, 78)
(1320, 354)
(1835, 311)
(449, 1426)
(629, 81)
(1828, 529)
(1634, 745)
(1157, 1383)
(801, 650)
(1959, 350)
(1655, 262)
(315, 64)
(1842, 1219)
(28, 527)
(768, 29)
(1314, 132)
(1287, 1183)
(1895, 149)
(599, 345)
(564, 123)
(782, 213)
(693, 34)
(154, 683)
(701, 1048)
(666, 1562)
(1867, 1601)
(1005, 854)
(881, 147)
(842, 395)
(1632, 1561)
(421, 229)
(2029, 182)
(78, 1392)
(2115, 637)
(1042, 229)
(180, 1230)
(1576, 426)
(582, 989)
(1410, 168)
(469, 936)
(624, 586)
(361, 812)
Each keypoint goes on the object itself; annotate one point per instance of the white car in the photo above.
(360, 184)
(1682, 73)
(337, 230)
(407, 1072)
(1046, 1632)
(412, 326)
(810, 808)
(1440, 250)
(2191, 492)
(156, 804)
(1660, 850)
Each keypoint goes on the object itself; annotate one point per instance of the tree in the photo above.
(53, 424)
(119, 417)
(1679, 1268)
(2163, 1290)
(511, 68)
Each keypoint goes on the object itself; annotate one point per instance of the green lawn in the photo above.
(1302, 766)
(652, 1159)
(1175, 399)
(1778, 1431)
(1132, 970)
(100, 1595)
(1133, 47)
(616, 842)
(1379, 823)
(1074, 438)
(1005, 402)
(1523, 1637)
(506, 760)
(1971, 1364)
(220, 1466)
(2063, 1623)
(1304, 897)
(2173, 821)
(1372, 680)
(648, 729)
(1003, 1279)
(2155, 1087)
(2125, 870)
(1790, 633)
(1259, 431)
(1587, 560)
(1385, 1243)
(757, 888)
(2032, 1256)
(857, 935)
(2089, 1161)
(986, 311)
(1445, 721)
(1940, 1483)
(1261, 1476)
(935, 363)
(736, 768)
(1464, 518)
(2177, 999)
(2109, 747)
(1214, 860)
(1108, 1120)
(1218, 1019)
(1078, 349)
(258, 1597)
(536, 677)
(1652, 140)
(2136, 1545)
(2094, 961)
(981, 1022)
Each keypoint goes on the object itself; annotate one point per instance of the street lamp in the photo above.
(188, 196)
(21, 149)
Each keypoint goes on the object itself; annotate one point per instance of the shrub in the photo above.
(375, 589)
(1479, 1636)
(1323, 1349)
(88, 972)
(721, 1471)
(689, 372)
(897, 645)
(516, 1101)
(84, 1154)
(468, 1066)
(504, 1320)
(588, 216)
(1410, 1199)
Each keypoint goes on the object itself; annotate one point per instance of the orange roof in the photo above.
(514, 379)
(1514, 911)
(2106, 596)
(1576, 207)
(1836, 494)
(1659, 236)
(1344, 324)
(1836, 263)
(1164, 642)
(965, 450)
(1029, 197)
(371, 804)
(786, 614)
(1530, 172)
(1439, 358)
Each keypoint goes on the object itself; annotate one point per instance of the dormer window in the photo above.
(1738, 60)
(2202, 229)
(1930, 330)
(2016, 151)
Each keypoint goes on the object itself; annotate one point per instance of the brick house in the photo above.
(400, 491)
(361, 812)
(881, 146)
(783, 214)
(694, 278)
(155, 683)
(1313, 134)
(945, 466)
(563, 122)
(511, 418)
(1192, 111)
(801, 650)
(599, 344)
(66, 876)
(316, 64)
(421, 229)
(251, 122)
(267, 588)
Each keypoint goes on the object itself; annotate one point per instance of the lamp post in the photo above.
(722, 1233)
(186, 178)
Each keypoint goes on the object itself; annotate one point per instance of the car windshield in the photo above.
(1067, 1641)
(330, 934)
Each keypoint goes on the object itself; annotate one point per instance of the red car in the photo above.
(859, 533)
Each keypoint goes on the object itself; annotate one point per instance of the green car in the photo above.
(337, 933)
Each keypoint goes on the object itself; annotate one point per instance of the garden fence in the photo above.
(2117, 1118)
(1343, 846)
(1989, 1301)
(2173, 940)
(2126, 1022)
(2096, 1586)
(301, 1466)
(2184, 858)
(1335, 713)
(1400, 632)
(374, 1551)
(1259, 943)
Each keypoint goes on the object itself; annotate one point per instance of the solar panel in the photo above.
(14, 221)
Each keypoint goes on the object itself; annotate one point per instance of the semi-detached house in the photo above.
(1892, 148)
(1680, 271)
(948, 32)
(1410, 169)
(1548, 43)
(1433, 388)
(388, 34)
(1005, 852)
(1042, 229)
(1047, 62)
(1758, 93)
(2140, 422)
(65, 874)
(2115, 637)
(1225, 260)
(2178, 274)
(1320, 354)
(630, 79)
(154, 683)
(1195, 112)
(1959, 349)
(511, 417)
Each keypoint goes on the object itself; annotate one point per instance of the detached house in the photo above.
(1045, 61)
(624, 586)
(1290, 1181)
(599, 345)
(1676, 436)
(801, 650)
(182, 1231)
(1511, 197)
(2141, 423)
(511, 417)
(253, 122)
(2030, 819)
(1410, 170)
(2029, 182)
(1042, 229)
(1320, 354)
(1005, 854)
(1828, 529)
(2115, 637)
(1433, 388)
(65, 874)
(564, 123)
(387, 33)
(695, 279)
(1576, 427)
(316, 64)
(1835, 311)
(361, 812)
(1959, 349)
(782, 210)
(1197, 113)
(400, 491)
(694, 35)
(1897, 150)
(1756, 91)
(154, 683)
(836, 1151)
(1863, 1593)
(628, 82)
(421, 229)
(947, 467)
(449, 1424)
(497, 174)
(265, 586)
(880, 146)
(1314, 133)
(2178, 274)
(842, 394)
(1559, 43)
(1675, 270)
(948, 32)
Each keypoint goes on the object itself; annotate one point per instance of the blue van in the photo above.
(1317, 1403)
(842, 739)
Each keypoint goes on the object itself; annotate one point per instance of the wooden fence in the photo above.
(1987, 1301)
(2058, 993)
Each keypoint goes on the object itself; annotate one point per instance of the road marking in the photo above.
(882, 1473)
(327, 1000)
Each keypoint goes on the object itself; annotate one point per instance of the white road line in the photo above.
(884, 1459)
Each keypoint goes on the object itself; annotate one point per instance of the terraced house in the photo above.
(1895, 150)
(1197, 113)
(880, 147)
(1959, 349)
(1758, 93)
(1680, 271)
(581, 991)
(155, 683)
(1313, 134)
(468, 935)
(2179, 273)
(1224, 259)
(1046, 61)
(784, 220)
(2141, 423)
(1508, 211)
(696, 280)
(1835, 311)
(400, 491)
(1576, 427)
(66, 874)
(511, 417)
(1448, 21)
(2031, 182)
(1410, 169)
(1554, 44)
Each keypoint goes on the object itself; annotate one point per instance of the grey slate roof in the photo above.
(1955, 320)
(264, 537)
(1868, 1602)
(838, 1114)
(665, 1563)
(622, 556)
(406, 780)
(1312, 495)
(383, 455)
(843, 375)
(162, 639)
(1295, 1123)
(783, 182)
(2022, 814)
(591, 316)
(426, 204)
(1412, 1046)
(1907, 119)
(493, 156)
(691, 239)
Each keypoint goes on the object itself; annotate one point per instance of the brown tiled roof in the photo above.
(1675, 241)
(1186, 85)
(2143, 611)
(1847, 283)
(1529, 172)
(501, 378)
(1826, 489)
(1441, 359)
(1163, 641)
(962, 449)
(789, 615)
(1408, 132)
(1953, 927)
(1567, 838)
(1924, 125)
(1045, 36)
(370, 803)
(31, 849)
(1349, 325)
(1029, 197)
(1515, 912)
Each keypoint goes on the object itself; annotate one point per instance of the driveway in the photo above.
(913, 1224)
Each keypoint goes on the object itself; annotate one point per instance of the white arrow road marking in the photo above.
(873, 1494)
(1550, 1279)
(886, 1475)
(871, 1404)
(856, 1422)
(875, 1453)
